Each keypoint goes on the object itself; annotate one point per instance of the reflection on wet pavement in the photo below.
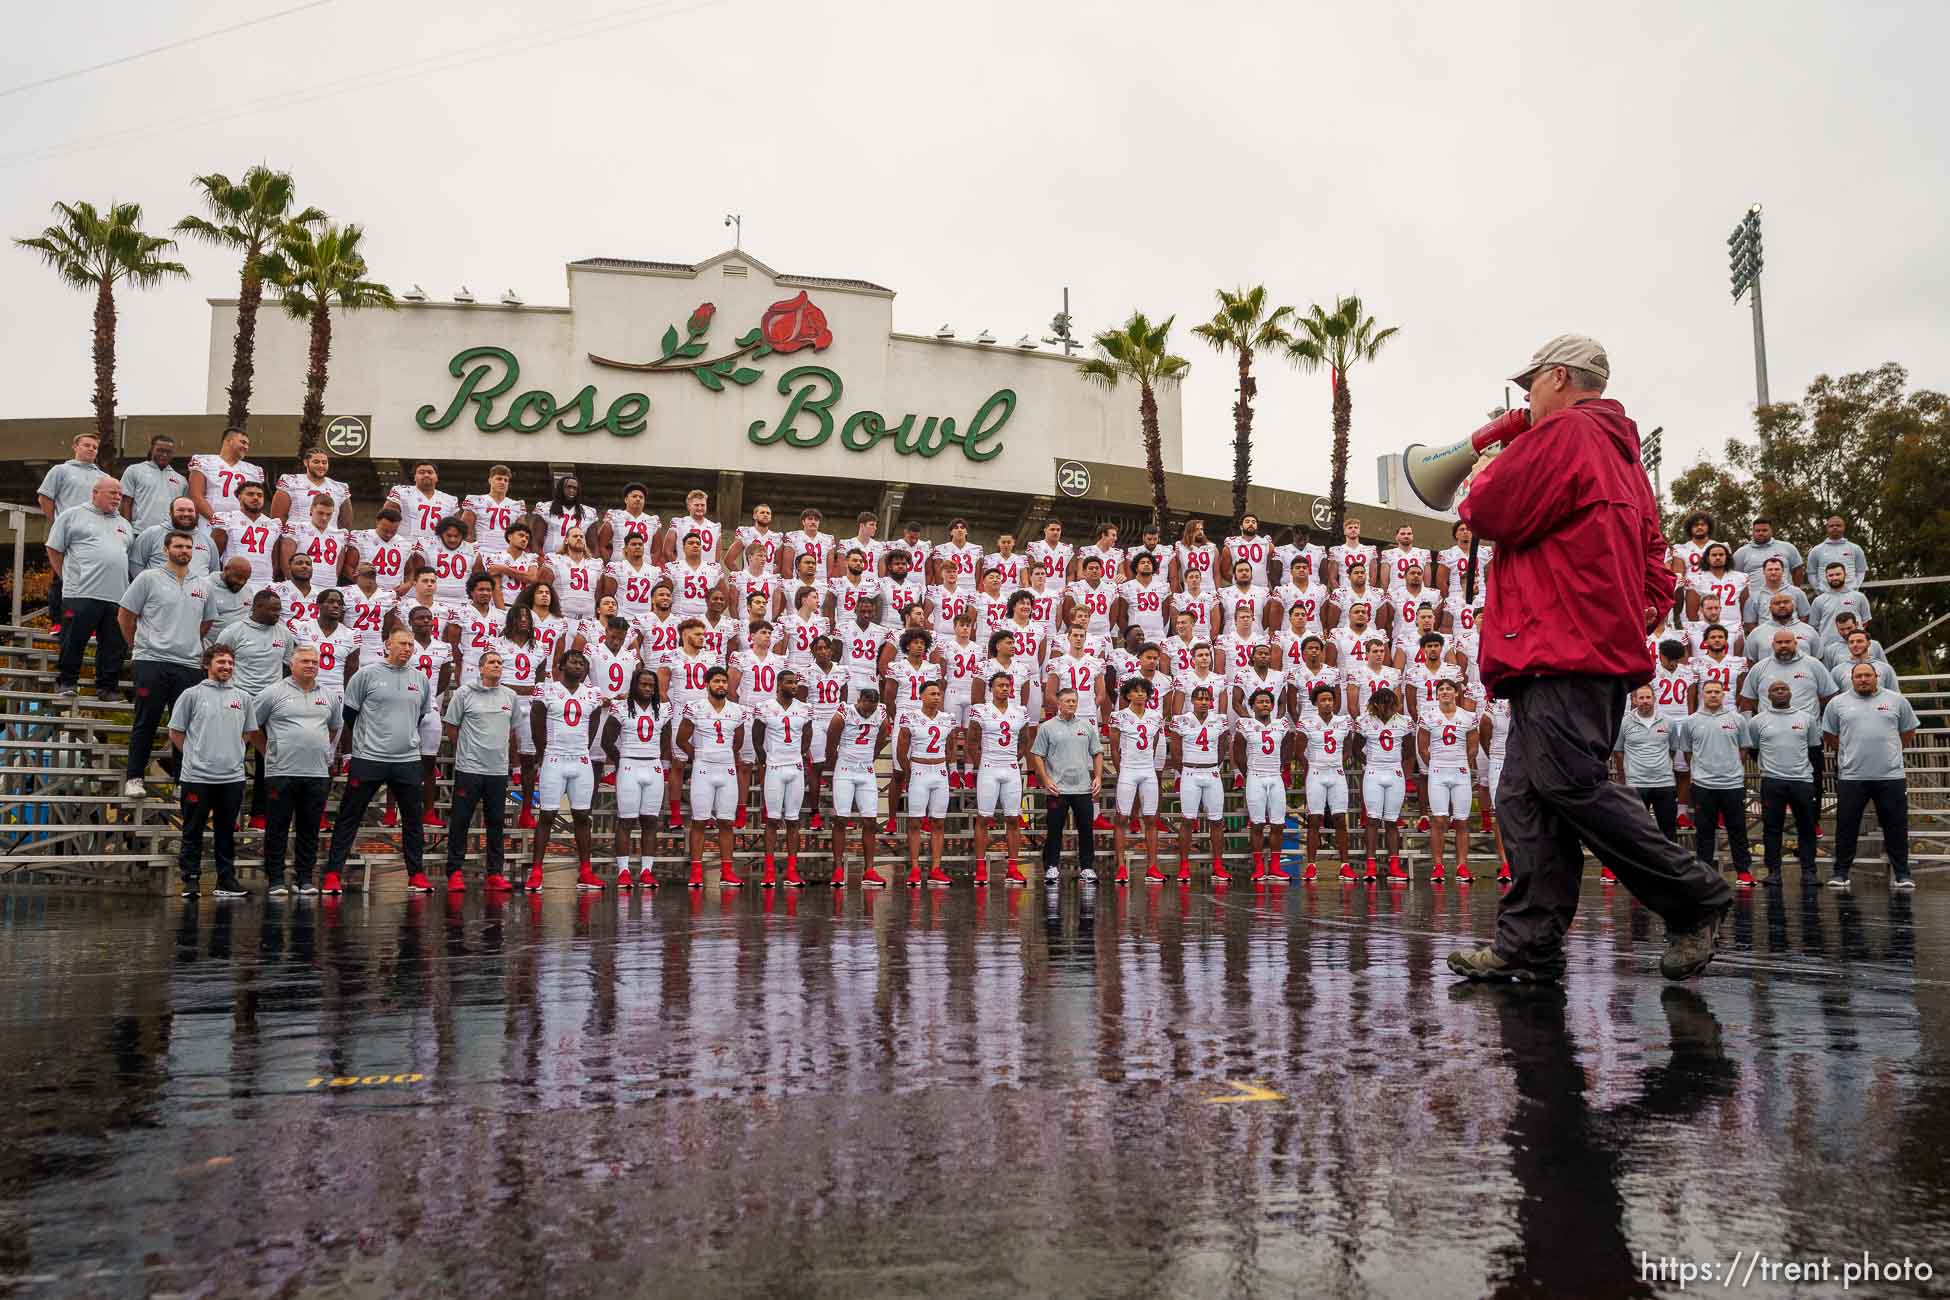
(1141, 1092)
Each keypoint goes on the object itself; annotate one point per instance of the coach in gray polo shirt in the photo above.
(230, 596)
(1867, 727)
(208, 727)
(298, 722)
(162, 613)
(384, 703)
(1779, 733)
(1647, 740)
(260, 643)
(1809, 683)
(147, 551)
(1068, 758)
(1715, 735)
(151, 485)
(479, 720)
(89, 549)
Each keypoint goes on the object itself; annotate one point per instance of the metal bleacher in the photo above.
(63, 818)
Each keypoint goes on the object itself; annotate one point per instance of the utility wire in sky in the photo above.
(161, 49)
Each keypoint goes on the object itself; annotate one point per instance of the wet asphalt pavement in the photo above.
(1106, 1093)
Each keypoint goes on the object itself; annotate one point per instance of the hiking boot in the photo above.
(1688, 951)
(1486, 964)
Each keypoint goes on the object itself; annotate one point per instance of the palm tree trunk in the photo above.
(1343, 421)
(105, 365)
(311, 424)
(244, 350)
(1242, 434)
(1154, 455)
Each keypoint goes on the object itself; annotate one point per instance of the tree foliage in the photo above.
(319, 266)
(1862, 446)
(1339, 340)
(1140, 351)
(1243, 326)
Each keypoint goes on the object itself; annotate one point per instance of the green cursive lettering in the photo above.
(625, 418)
(1001, 405)
(470, 389)
(803, 400)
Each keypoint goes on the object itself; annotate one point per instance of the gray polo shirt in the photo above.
(390, 703)
(1715, 741)
(95, 553)
(71, 485)
(1868, 734)
(1830, 603)
(1845, 669)
(1783, 737)
(1067, 748)
(212, 718)
(147, 553)
(168, 616)
(1648, 745)
(300, 727)
(1806, 678)
(1824, 553)
(1755, 606)
(222, 606)
(150, 490)
(483, 717)
(260, 649)
(1752, 555)
(1832, 650)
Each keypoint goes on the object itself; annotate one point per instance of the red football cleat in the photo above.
(526, 821)
(697, 876)
(1122, 875)
(1605, 874)
(938, 877)
(738, 822)
(391, 818)
(1371, 873)
(1259, 867)
(1184, 871)
(1309, 873)
(325, 821)
(728, 877)
(1504, 875)
(1463, 876)
(1103, 823)
(1219, 872)
(1422, 822)
(1397, 874)
(872, 879)
(534, 883)
(792, 878)
(1685, 821)
(1154, 876)
(676, 823)
(1276, 872)
(891, 827)
(839, 877)
(1488, 829)
(982, 873)
(770, 878)
(914, 876)
(609, 778)
(257, 823)
(586, 878)
(432, 818)
(1347, 871)
(1744, 879)
(818, 822)
(624, 880)
(456, 882)
(498, 884)
(418, 883)
(1014, 875)
(331, 884)
(1436, 873)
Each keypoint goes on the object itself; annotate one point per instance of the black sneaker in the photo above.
(1902, 882)
(230, 889)
(1838, 882)
(1688, 951)
(110, 697)
(192, 889)
(1485, 963)
(66, 690)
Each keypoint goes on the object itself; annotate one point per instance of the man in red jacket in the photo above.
(1575, 527)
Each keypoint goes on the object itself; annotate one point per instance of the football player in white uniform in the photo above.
(823, 683)
(1250, 546)
(525, 665)
(1386, 734)
(1262, 746)
(451, 558)
(421, 503)
(249, 531)
(784, 745)
(1447, 746)
(1051, 554)
(631, 578)
(513, 566)
(709, 738)
(490, 514)
(1134, 733)
(854, 739)
(314, 535)
(926, 741)
(291, 500)
(636, 738)
(1324, 731)
(1198, 746)
(999, 730)
(565, 713)
(957, 560)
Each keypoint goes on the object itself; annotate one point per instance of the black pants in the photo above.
(1816, 756)
(1556, 799)
(157, 686)
(296, 804)
(1710, 806)
(365, 780)
(82, 619)
(257, 783)
(1891, 799)
(205, 803)
(1663, 803)
(490, 794)
(1059, 809)
(1777, 798)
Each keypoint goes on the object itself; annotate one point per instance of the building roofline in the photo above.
(688, 270)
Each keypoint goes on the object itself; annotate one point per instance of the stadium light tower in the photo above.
(1743, 262)
(1061, 334)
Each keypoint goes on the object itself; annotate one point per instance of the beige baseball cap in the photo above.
(1567, 350)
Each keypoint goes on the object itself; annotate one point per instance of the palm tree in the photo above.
(92, 250)
(315, 267)
(1337, 340)
(1243, 326)
(250, 216)
(1141, 352)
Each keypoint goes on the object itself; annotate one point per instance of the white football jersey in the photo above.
(623, 525)
(709, 535)
(528, 564)
(1366, 679)
(639, 733)
(387, 556)
(1137, 736)
(1671, 689)
(334, 648)
(1263, 743)
(1054, 560)
(568, 713)
(1254, 550)
(1326, 740)
(296, 606)
(862, 651)
(691, 586)
(1231, 600)
(576, 582)
(962, 562)
(450, 568)
(419, 514)
(1236, 653)
(1730, 587)
(1498, 712)
(1310, 600)
(847, 595)
(300, 489)
(785, 731)
(492, 519)
(1251, 682)
(949, 603)
(859, 737)
(1201, 741)
(797, 636)
(1383, 742)
(555, 527)
(221, 482)
(1080, 675)
(818, 545)
(824, 690)
(1179, 652)
(525, 665)
(1144, 605)
(1455, 563)
(254, 539)
(928, 738)
(963, 667)
(689, 674)
(325, 546)
(714, 732)
(1395, 564)
(758, 676)
(1448, 737)
(1202, 558)
(1724, 671)
(366, 615)
(610, 670)
(907, 682)
(657, 637)
(634, 583)
(1013, 567)
(1308, 680)
(429, 659)
(1001, 733)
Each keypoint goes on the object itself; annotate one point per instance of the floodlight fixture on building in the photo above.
(463, 294)
(509, 298)
(945, 332)
(415, 294)
(985, 337)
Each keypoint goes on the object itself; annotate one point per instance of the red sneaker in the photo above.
(982, 872)
(1309, 873)
(391, 818)
(1463, 876)
(914, 876)
(586, 878)
(324, 821)
(1259, 867)
(738, 822)
(1422, 822)
(331, 884)
(818, 822)
(1371, 874)
(728, 877)
(624, 880)
(645, 877)
(418, 883)
(890, 828)
(1276, 872)
(1504, 875)
(770, 879)
(872, 879)
(839, 877)
(1239, 780)
(676, 823)
(1436, 873)
(534, 883)
(1103, 823)
(1014, 875)
(1685, 821)
(1152, 875)
(257, 823)
(1744, 879)
(498, 884)
(1219, 873)
(456, 882)
(1488, 828)
(526, 821)
(1605, 874)
(609, 778)
(937, 877)
(432, 818)
(792, 877)
(1123, 876)
(697, 876)
(1397, 874)
(1135, 827)
(1184, 871)
(1347, 871)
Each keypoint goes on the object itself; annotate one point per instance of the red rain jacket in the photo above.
(1579, 555)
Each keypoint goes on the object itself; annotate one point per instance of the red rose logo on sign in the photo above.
(794, 324)
(786, 326)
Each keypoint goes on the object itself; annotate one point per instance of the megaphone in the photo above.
(1436, 474)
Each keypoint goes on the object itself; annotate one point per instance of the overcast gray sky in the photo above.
(1485, 176)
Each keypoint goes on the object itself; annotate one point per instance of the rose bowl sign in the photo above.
(489, 383)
